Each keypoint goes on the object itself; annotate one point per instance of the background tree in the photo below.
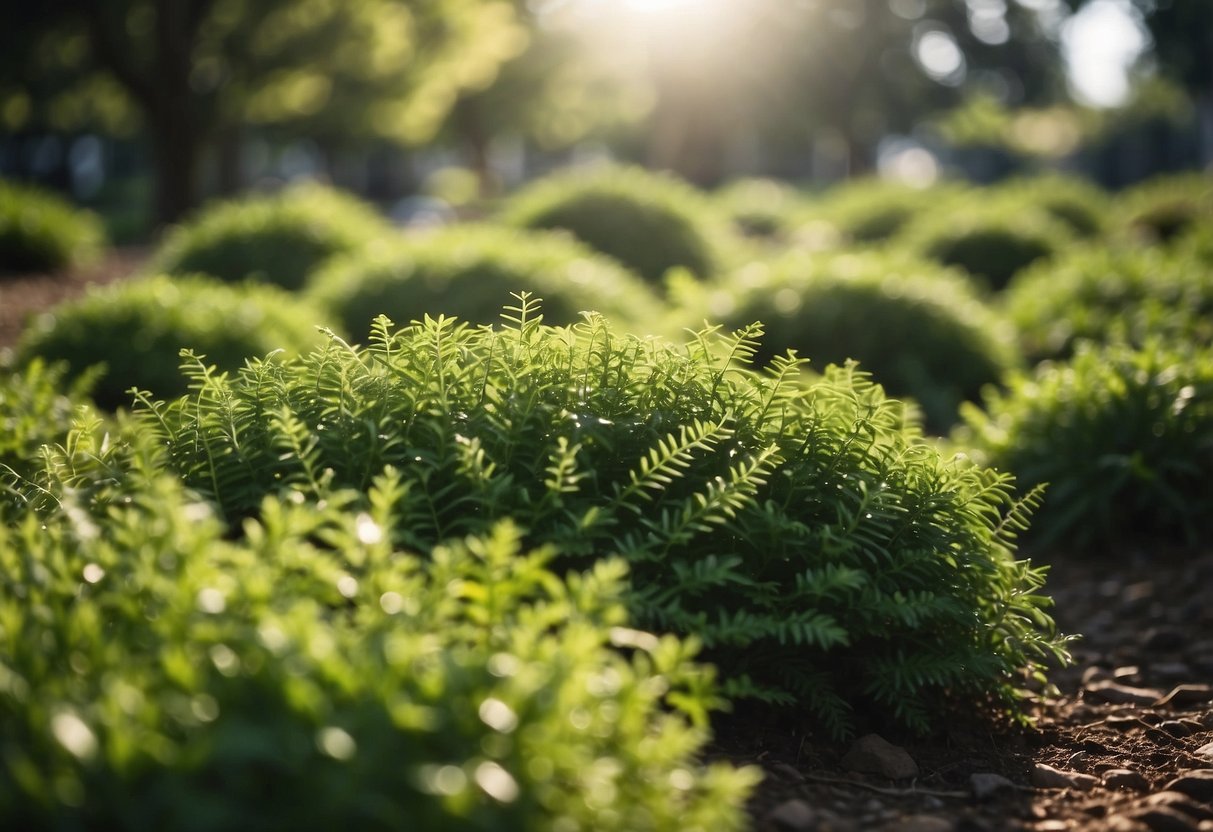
(196, 70)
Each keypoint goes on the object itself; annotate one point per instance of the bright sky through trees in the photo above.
(1100, 43)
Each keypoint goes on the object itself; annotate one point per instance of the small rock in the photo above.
(1205, 751)
(986, 785)
(1123, 778)
(1180, 803)
(1047, 777)
(1164, 819)
(1121, 694)
(873, 754)
(1181, 695)
(793, 815)
(1175, 728)
(1196, 784)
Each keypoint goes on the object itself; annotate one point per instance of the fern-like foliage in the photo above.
(803, 532)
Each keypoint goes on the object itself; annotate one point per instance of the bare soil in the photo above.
(1130, 737)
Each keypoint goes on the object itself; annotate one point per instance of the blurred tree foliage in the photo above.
(772, 75)
(189, 72)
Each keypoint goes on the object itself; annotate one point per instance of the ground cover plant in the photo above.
(649, 222)
(920, 330)
(162, 672)
(1109, 294)
(466, 271)
(823, 554)
(41, 232)
(136, 328)
(992, 241)
(273, 238)
(1123, 437)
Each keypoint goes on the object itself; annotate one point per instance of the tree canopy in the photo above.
(188, 70)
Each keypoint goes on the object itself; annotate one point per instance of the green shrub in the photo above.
(1161, 209)
(1079, 203)
(466, 271)
(1196, 243)
(41, 232)
(1124, 438)
(37, 407)
(823, 554)
(1111, 294)
(280, 238)
(918, 329)
(873, 210)
(160, 673)
(760, 207)
(136, 328)
(989, 240)
(648, 222)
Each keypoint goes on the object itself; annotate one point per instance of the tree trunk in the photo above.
(177, 156)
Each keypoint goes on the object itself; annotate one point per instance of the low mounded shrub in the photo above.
(277, 238)
(649, 222)
(136, 329)
(920, 330)
(1123, 437)
(991, 241)
(1079, 203)
(874, 210)
(764, 208)
(161, 673)
(41, 232)
(822, 553)
(465, 271)
(1108, 295)
(1161, 209)
(1196, 243)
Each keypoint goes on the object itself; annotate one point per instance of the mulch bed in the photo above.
(22, 296)
(1128, 746)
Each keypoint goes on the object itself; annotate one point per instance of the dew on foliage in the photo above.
(347, 585)
(580, 718)
(336, 743)
(273, 638)
(497, 783)
(225, 659)
(504, 665)
(367, 530)
(93, 573)
(498, 715)
(391, 602)
(211, 601)
(445, 780)
(74, 734)
(205, 707)
(682, 780)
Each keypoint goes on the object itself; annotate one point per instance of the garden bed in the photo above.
(1133, 721)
